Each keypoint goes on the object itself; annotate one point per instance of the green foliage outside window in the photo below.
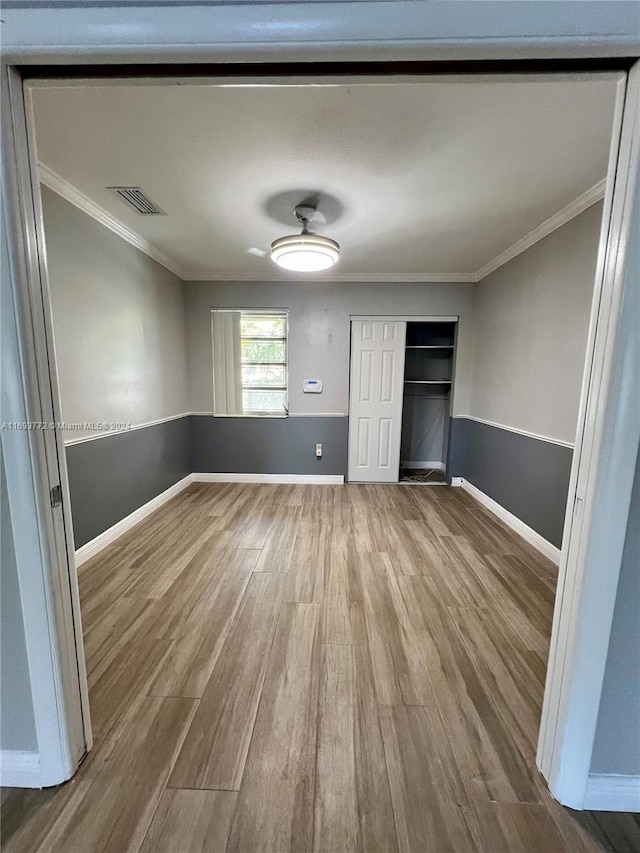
(264, 358)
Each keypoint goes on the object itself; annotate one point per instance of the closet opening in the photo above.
(426, 402)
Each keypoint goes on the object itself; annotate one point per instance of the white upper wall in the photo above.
(531, 320)
(319, 331)
(119, 324)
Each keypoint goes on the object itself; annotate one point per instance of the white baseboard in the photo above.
(611, 793)
(96, 545)
(20, 769)
(550, 551)
(307, 479)
(425, 466)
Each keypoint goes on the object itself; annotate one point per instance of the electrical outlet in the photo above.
(319, 451)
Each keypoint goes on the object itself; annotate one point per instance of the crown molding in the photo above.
(424, 278)
(573, 209)
(52, 180)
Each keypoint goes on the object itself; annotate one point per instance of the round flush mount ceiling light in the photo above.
(305, 252)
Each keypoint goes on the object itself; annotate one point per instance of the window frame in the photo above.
(281, 313)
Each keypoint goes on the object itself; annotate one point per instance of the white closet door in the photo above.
(375, 412)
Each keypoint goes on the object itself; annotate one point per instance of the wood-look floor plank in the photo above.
(275, 803)
(489, 760)
(527, 666)
(343, 606)
(517, 828)
(191, 822)
(523, 587)
(308, 568)
(120, 625)
(621, 832)
(397, 649)
(215, 749)
(425, 785)
(192, 660)
(255, 522)
(115, 811)
(534, 636)
(190, 596)
(29, 814)
(352, 799)
(142, 571)
(496, 667)
(450, 571)
(336, 804)
(277, 551)
(594, 832)
(125, 683)
(405, 552)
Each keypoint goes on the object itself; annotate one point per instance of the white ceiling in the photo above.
(434, 179)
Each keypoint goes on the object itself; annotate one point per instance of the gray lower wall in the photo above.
(527, 476)
(268, 445)
(17, 721)
(111, 477)
(17, 519)
(616, 748)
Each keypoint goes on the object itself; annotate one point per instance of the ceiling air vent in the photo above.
(135, 198)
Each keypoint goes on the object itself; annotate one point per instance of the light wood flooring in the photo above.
(314, 668)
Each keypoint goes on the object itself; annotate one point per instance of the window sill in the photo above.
(255, 416)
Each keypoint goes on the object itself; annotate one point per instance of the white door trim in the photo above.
(452, 30)
(407, 318)
(42, 533)
(601, 483)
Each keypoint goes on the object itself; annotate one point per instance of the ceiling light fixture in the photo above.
(305, 252)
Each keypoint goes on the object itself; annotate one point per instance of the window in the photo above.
(250, 362)
(263, 341)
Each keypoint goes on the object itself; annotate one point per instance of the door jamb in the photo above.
(47, 578)
(601, 483)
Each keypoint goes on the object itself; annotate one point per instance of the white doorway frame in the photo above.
(605, 442)
(601, 481)
(35, 464)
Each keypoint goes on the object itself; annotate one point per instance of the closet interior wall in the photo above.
(428, 384)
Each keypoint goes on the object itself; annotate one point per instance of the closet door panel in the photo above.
(375, 413)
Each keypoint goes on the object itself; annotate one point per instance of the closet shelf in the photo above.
(431, 346)
(427, 381)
